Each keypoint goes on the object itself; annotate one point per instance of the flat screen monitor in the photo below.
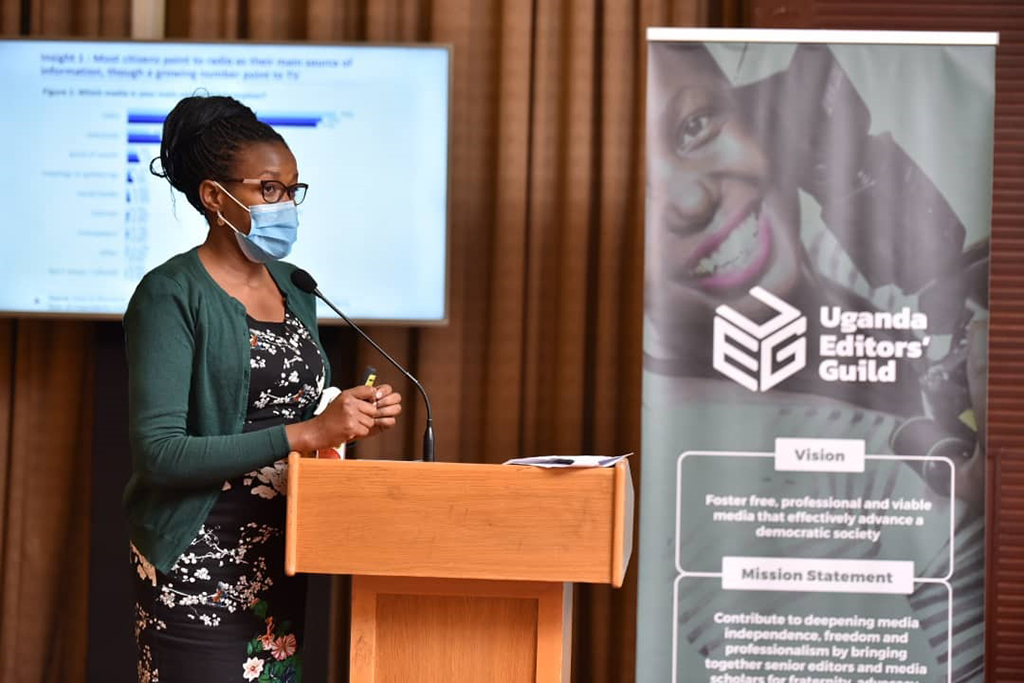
(85, 219)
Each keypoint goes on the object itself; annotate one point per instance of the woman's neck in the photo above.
(223, 258)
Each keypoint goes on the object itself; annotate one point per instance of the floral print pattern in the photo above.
(273, 656)
(226, 597)
(146, 671)
(270, 482)
(190, 585)
(287, 360)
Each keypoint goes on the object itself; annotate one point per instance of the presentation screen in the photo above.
(86, 220)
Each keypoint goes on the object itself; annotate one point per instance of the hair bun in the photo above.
(201, 136)
(187, 122)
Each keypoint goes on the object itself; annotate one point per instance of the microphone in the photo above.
(304, 281)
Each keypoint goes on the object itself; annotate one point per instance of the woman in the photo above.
(225, 370)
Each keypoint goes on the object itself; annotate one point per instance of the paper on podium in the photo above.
(552, 461)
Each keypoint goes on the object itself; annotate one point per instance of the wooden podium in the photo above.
(461, 573)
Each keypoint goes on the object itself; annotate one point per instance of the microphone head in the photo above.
(304, 281)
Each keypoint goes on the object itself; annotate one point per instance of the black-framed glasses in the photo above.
(274, 190)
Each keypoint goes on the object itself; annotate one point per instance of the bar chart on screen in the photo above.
(368, 126)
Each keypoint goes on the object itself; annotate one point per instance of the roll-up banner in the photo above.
(815, 354)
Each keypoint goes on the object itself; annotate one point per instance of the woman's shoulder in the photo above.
(282, 271)
(181, 269)
(170, 280)
(302, 302)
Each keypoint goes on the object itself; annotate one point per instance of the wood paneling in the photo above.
(392, 518)
(459, 631)
(419, 637)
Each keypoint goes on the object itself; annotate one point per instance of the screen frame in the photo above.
(448, 48)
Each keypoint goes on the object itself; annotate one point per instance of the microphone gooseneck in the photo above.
(304, 281)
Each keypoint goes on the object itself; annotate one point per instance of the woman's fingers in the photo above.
(390, 410)
(362, 392)
(360, 399)
(368, 410)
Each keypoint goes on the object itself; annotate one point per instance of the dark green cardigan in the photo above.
(188, 382)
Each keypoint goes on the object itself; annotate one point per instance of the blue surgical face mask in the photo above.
(273, 229)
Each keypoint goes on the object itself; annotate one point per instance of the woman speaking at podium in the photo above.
(225, 370)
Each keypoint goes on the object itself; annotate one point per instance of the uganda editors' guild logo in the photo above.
(759, 356)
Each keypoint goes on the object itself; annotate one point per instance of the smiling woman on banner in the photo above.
(731, 171)
(225, 369)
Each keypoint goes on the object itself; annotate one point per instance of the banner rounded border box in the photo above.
(683, 574)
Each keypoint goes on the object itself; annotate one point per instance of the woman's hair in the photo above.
(201, 140)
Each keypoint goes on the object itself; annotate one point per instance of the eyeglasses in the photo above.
(274, 190)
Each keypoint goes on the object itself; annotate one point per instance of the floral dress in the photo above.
(225, 611)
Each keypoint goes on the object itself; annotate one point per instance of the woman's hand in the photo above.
(355, 414)
(349, 416)
(388, 404)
